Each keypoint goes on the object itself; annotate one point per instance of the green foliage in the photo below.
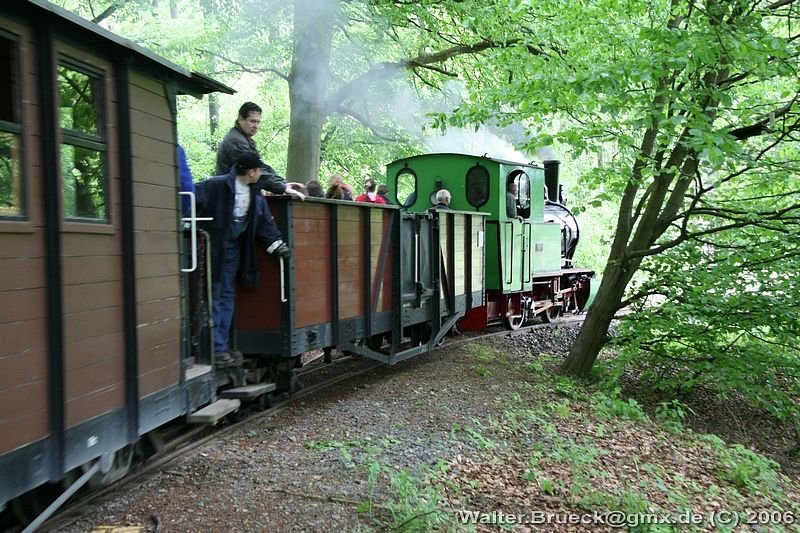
(569, 387)
(560, 409)
(612, 406)
(481, 351)
(412, 499)
(728, 321)
(578, 456)
(481, 370)
(671, 414)
(688, 109)
(749, 470)
(347, 449)
(746, 469)
(546, 485)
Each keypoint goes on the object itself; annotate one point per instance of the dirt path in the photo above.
(483, 428)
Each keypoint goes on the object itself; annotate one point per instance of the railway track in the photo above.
(183, 442)
(186, 441)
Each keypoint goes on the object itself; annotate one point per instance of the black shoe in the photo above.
(223, 359)
(237, 359)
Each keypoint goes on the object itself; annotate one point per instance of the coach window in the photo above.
(406, 187)
(477, 186)
(11, 186)
(523, 198)
(83, 146)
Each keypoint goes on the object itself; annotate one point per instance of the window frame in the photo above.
(516, 176)
(78, 139)
(409, 171)
(15, 128)
(487, 185)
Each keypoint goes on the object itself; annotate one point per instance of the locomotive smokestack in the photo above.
(551, 180)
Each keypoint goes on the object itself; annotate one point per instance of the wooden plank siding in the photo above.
(460, 260)
(157, 263)
(381, 245)
(312, 260)
(259, 308)
(24, 413)
(444, 262)
(351, 257)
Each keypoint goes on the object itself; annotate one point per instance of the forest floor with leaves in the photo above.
(479, 436)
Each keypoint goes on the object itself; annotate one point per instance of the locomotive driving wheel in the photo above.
(516, 315)
(551, 314)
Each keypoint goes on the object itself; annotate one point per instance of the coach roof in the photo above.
(66, 22)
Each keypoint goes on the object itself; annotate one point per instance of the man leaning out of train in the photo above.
(240, 216)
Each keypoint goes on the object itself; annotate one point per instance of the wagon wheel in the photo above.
(570, 303)
(420, 334)
(375, 342)
(551, 314)
(514, 321)
(119, 465)
(265, 401)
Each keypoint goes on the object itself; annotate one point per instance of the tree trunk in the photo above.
(314, 22)
(213, 114)
(213, 98)
(594, 331)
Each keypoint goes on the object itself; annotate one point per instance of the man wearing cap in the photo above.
(239, 141)
(240, 215)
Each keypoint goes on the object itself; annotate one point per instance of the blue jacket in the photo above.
(186, 181)
(215, 198)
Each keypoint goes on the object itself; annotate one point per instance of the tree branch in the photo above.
(107, 12)
(780, 3)
(757, 219)
(364, 121)
(386, 70)
(243, 68)
(761, 125)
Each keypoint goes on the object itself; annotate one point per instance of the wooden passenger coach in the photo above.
(90, 287)
(362, 278)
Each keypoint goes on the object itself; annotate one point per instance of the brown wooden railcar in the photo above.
(361, 274)
(90, 287)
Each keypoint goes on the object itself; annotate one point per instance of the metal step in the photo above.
(195, 371)
(248, 392)
(212, 413)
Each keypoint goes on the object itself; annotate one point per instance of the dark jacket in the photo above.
(215, 198)
(235, 144)
(186, 181)
(511, 205)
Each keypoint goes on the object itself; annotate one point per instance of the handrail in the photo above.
(192, 220)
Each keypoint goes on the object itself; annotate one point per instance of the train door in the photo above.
(94, 259)
(196, 285)
(517, 231)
